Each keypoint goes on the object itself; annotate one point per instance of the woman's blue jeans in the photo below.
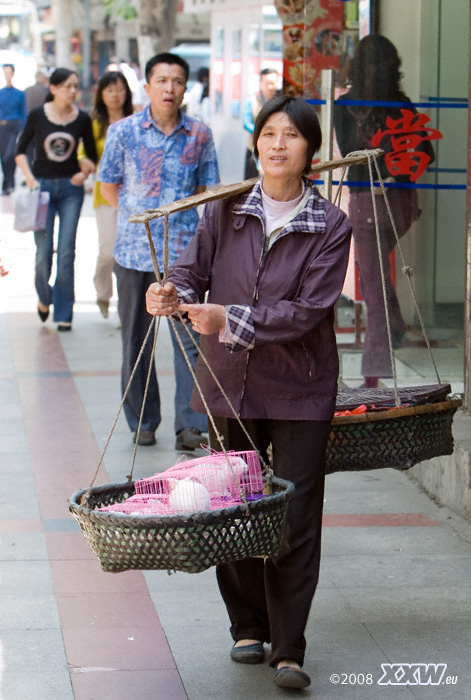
(66, 201)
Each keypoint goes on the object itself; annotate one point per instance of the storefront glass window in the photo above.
(217, 79)
(393, 90)
(236, 73)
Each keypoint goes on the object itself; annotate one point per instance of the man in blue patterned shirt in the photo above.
(151, 159)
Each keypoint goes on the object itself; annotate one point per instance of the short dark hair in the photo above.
(202, 73)
(60, 75)
(303, 117)
(171, 59)
(268, 71)
(9, 65)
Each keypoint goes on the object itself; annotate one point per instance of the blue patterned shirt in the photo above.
(153, 170)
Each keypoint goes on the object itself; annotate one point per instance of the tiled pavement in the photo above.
(395, 582)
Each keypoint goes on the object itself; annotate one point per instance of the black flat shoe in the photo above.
(64, 326)
(145, 437)
(43, 315)
(287, 677)
(248, 654)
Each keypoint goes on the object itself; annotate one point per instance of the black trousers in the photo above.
(8, 135)
(270, 599)
(135, 321)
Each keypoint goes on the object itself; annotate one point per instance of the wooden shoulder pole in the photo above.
(241, 187)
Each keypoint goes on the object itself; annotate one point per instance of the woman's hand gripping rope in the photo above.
(162, 300)
(205, 318)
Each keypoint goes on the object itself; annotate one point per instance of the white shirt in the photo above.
(277, 214)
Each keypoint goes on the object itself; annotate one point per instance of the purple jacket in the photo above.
(284, 363)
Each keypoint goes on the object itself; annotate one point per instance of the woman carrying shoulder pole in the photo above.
(273, 261)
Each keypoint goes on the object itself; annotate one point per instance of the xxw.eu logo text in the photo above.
(414, 674)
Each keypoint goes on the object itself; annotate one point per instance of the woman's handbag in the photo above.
(30, 209)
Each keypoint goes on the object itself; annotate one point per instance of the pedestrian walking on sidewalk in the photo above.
(273, 261)
(268, 87)
(113, 101)
(56, 129)
(12, 119)
(151, 159)
(35, 95)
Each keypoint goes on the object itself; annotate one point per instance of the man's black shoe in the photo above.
(145, 437)
(188, 439)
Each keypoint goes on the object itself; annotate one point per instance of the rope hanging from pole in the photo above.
(357, 157)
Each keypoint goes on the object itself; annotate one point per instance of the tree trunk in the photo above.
(156, 28)
(62, 12)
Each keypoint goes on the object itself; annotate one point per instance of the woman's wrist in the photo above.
(31, 182)
(222, 316)
(87, 166)
(79, 178)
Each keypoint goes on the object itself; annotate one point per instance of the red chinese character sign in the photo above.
(406, 135)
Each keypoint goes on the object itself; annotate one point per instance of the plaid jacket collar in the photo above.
(311, 219)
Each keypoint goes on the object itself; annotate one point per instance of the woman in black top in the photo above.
(56, 129)
(375, 76)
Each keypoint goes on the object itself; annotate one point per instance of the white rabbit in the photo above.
(188, 496)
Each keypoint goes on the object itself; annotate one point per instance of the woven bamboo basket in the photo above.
(396, 438)
(185, 542)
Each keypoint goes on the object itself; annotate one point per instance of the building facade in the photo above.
(315, 36)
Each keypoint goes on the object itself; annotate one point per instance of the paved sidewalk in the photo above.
(395, 582)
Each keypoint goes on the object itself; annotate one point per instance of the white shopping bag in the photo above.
(30, 209)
